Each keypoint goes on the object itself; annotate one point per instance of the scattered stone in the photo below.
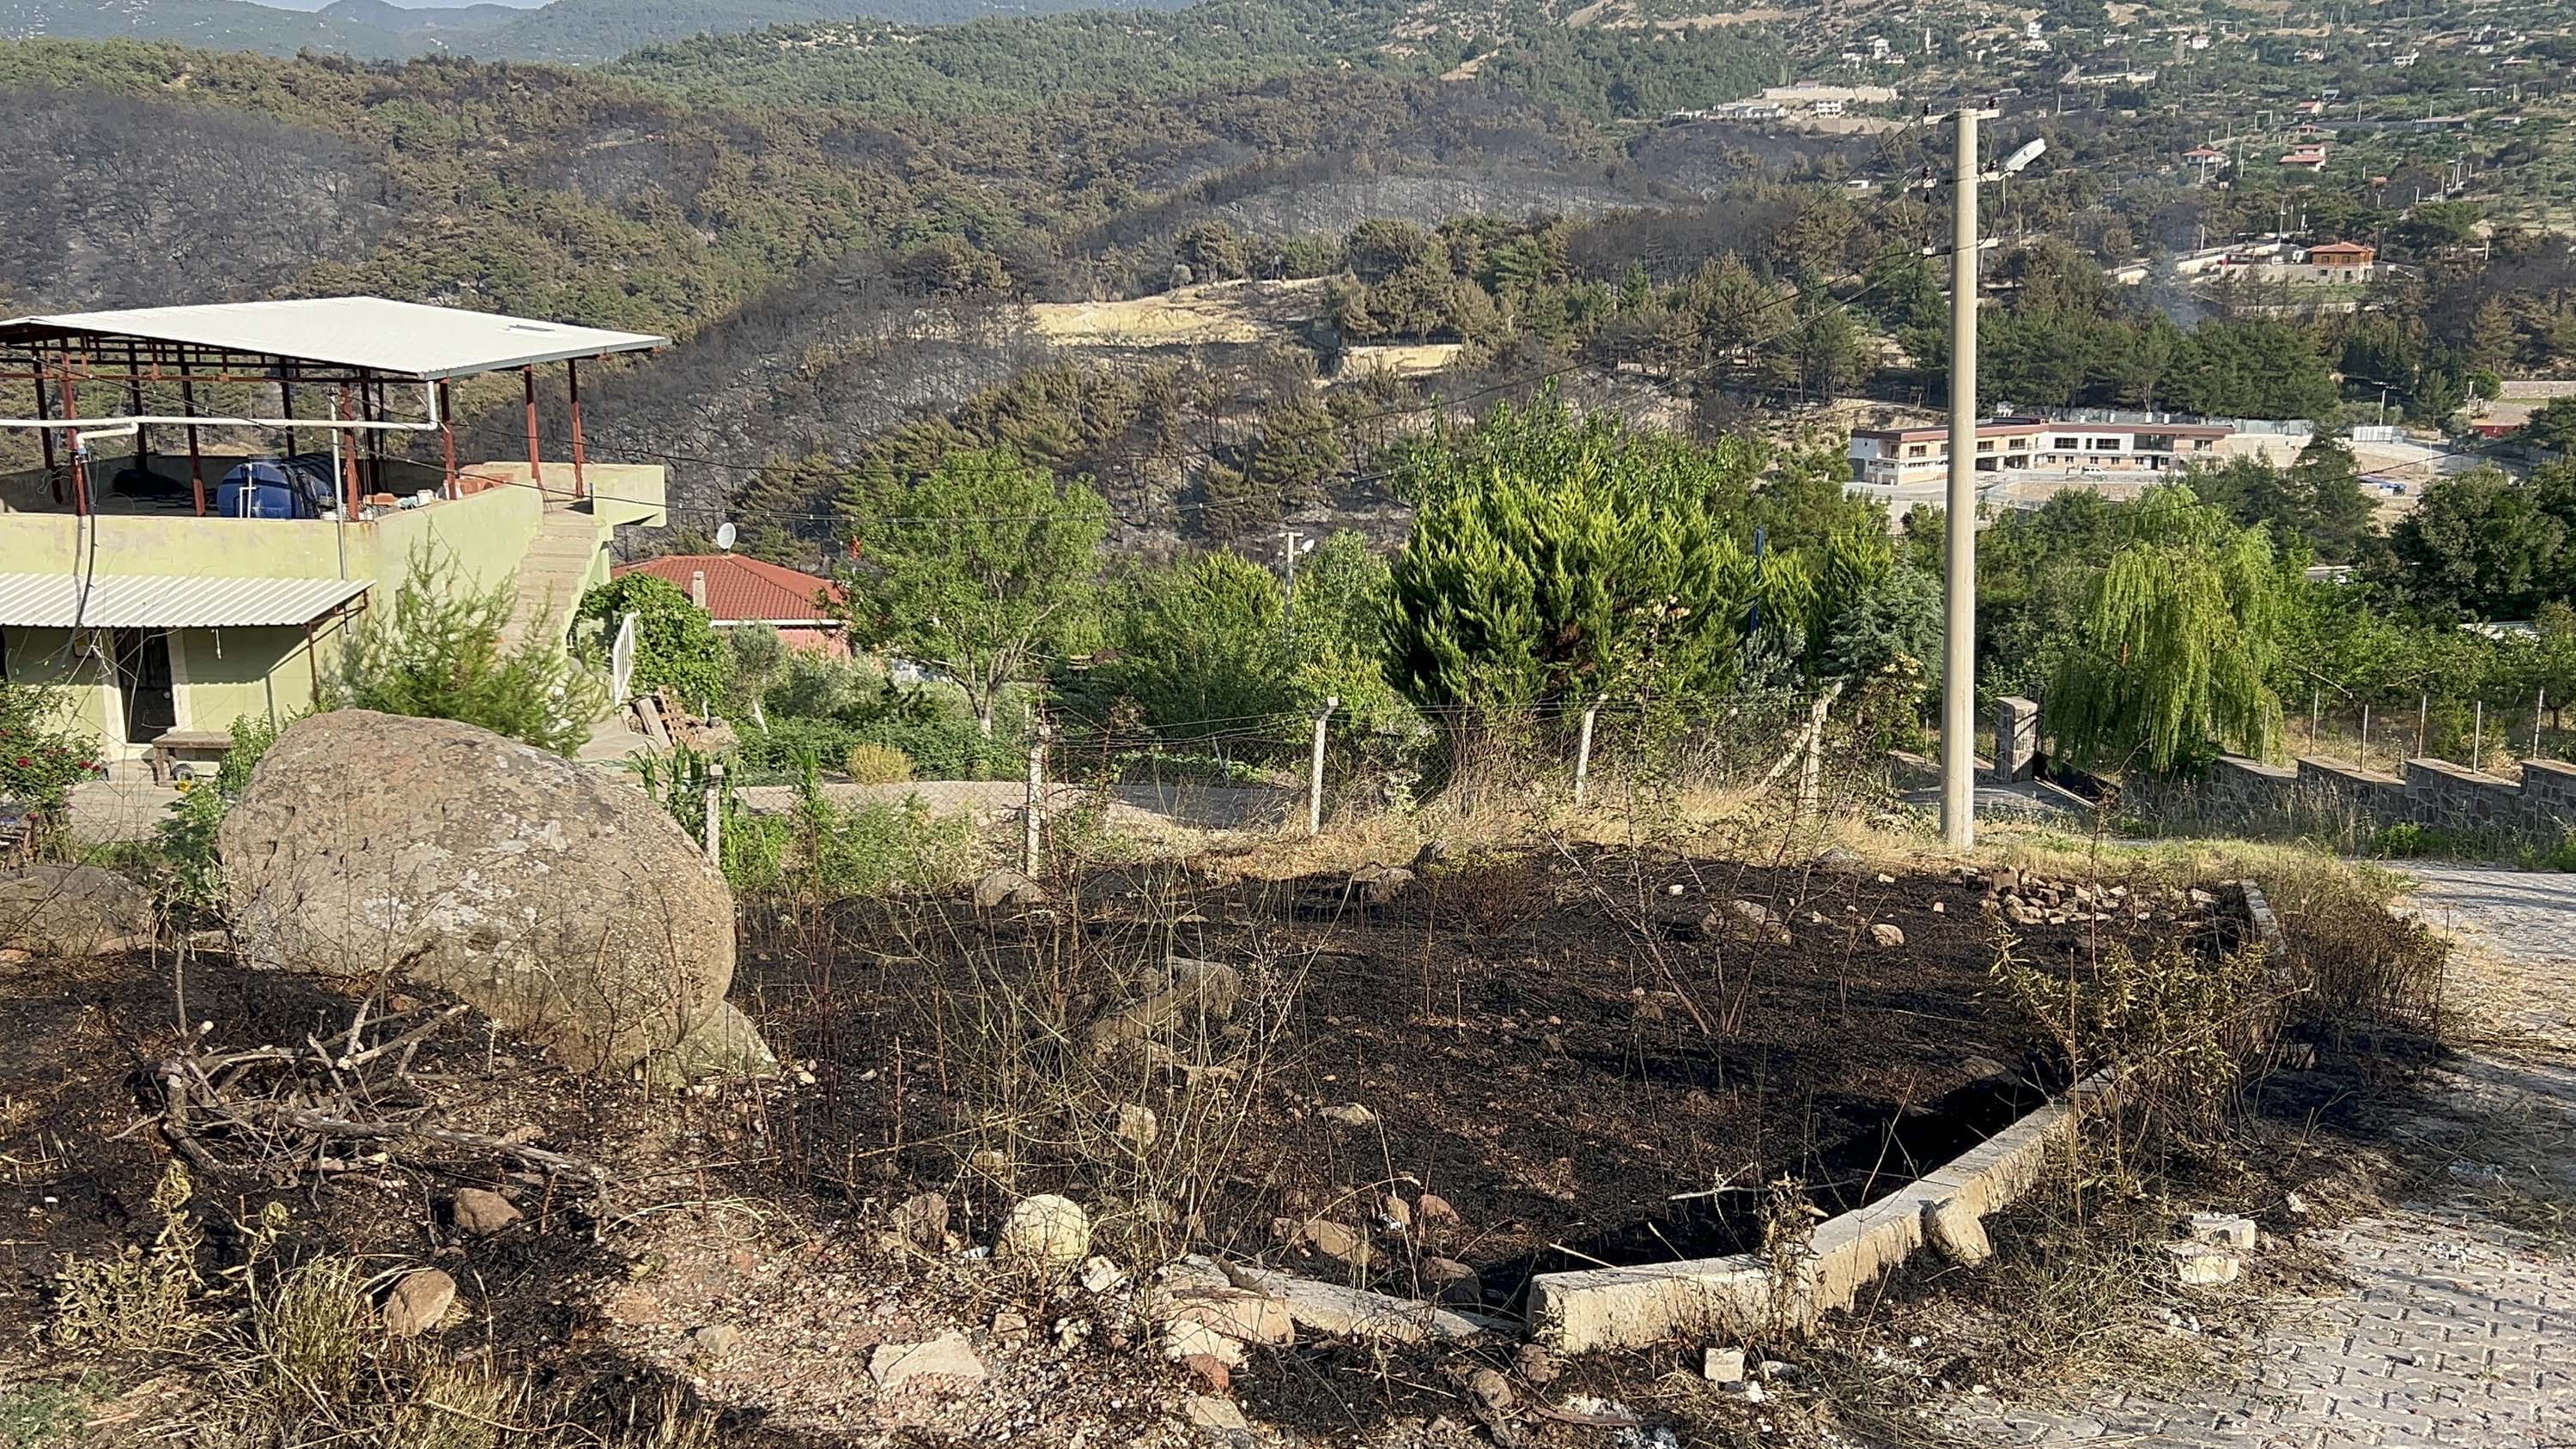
(1432, 1210)
(1752, 913)
(998, 888)
(1342, 1244)
(1940, 908)
(1137, 1125)
(1351, 1115)
(1185, 1341)
(1010, 1325)
(1885, 934)
(1489, 1388)
(1099, 1275)
(1983, 1068)
(72, 911)
(418, 1302)
(1885, 879)
(949, 1356)
(1434, 851)
(715, 1340)
(2004, 881)
(922, 1220)
(1956, 1233)
(2199, 897)
(1776, 1371)
(1046, 1230)
(1192, 992)
(1213, 1373)
(1534, 1363)
(1722, 1365)
(480, 1212)
(2204, 1265)
(1395, 1211)
(1246, 1315)
(1376, 885)
(2226, 1230)
(2296, 1205)
(1450, 1281)
(1206, 1411)
(1834, 857)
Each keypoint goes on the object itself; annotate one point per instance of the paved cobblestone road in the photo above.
(2460, 1330)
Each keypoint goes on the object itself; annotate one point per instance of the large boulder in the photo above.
(72, 910)
(556, 897)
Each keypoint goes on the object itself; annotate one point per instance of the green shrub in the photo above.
(41, 754)
(185, 838)
(435, 652)
(868, 763)
(675, 644)
(2402, 841)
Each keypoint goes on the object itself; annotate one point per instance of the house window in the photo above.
(1917, 450)
(1986, 445)
(2019, 445)
(2065, 445)
(2106, 445)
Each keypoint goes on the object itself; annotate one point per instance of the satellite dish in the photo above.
(2026, 155)
(725, 537)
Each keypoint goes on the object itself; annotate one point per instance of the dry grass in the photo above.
(1204, 314)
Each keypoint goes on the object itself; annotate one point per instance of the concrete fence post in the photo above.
(2539, 712)
(715, 814)
(1583, 751)
(1034, 815)
(2016, 739)
(2423, 722)
(1315, 769)
(2478, 741)
(1811, 766)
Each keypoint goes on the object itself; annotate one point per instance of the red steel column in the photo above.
(348, 457)
(572, 386)
(196, 459)
(447, 435)
(536, 465)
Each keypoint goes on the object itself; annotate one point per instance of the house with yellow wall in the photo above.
(224, 490)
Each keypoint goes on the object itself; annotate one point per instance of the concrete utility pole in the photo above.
(1959, 589)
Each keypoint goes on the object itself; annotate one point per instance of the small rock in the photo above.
(480, 1212)
(1213, 1373)
(922, 1220)
(1489, 1388)
(1351, 1115)
(2203, 1265)
(418, 1302)
(1099, 1275)
(2227, 1230)
(1940, 908)
(1452, 1282)
(2199, 897)
(1010, 1325)
(1007, 887)
(1535, 1364)
(1752, 913)
(1434, 851)
(948, 1356)
(2295, 1205)
(1885, 879)
(715, 1340)
(1046, 1230)
(1722, 1365)
(1885, 934)
(1137, 1126)
(1982, 1068)
(2004, 881)
(1206, 1411)
(1775, 1371)
(1957, 1233)
(1185, 1341)
(1431, 1209)
(1396, 1211)
(1341, 1244)
(1244, 1314)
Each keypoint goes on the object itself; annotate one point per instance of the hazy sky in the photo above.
(406, 4)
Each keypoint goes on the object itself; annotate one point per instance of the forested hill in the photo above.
(575, 32)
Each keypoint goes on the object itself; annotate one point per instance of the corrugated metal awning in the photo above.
(163, 601)
(408, 339)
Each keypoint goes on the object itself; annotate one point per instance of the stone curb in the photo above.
(1630, 1307)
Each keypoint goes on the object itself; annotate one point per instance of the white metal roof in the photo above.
(408, 339)
(161, 601)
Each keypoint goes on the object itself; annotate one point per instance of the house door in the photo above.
(143, 679)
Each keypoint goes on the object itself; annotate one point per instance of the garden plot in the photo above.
(1438, 1085)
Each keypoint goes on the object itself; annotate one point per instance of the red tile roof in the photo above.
(740, 589)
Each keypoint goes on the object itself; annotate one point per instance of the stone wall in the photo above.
(2435, 794)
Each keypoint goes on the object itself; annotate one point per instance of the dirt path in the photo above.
(2458, 1328)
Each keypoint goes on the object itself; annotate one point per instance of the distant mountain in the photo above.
(571, 32)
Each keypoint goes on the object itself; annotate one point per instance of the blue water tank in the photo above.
(297, 487)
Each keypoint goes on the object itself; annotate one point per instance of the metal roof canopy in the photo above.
(399, 339)
(162, 601)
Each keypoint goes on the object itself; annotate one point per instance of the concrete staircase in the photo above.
(551, 576)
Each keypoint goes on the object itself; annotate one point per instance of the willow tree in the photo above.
(2171, 659)
(1556, 559)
